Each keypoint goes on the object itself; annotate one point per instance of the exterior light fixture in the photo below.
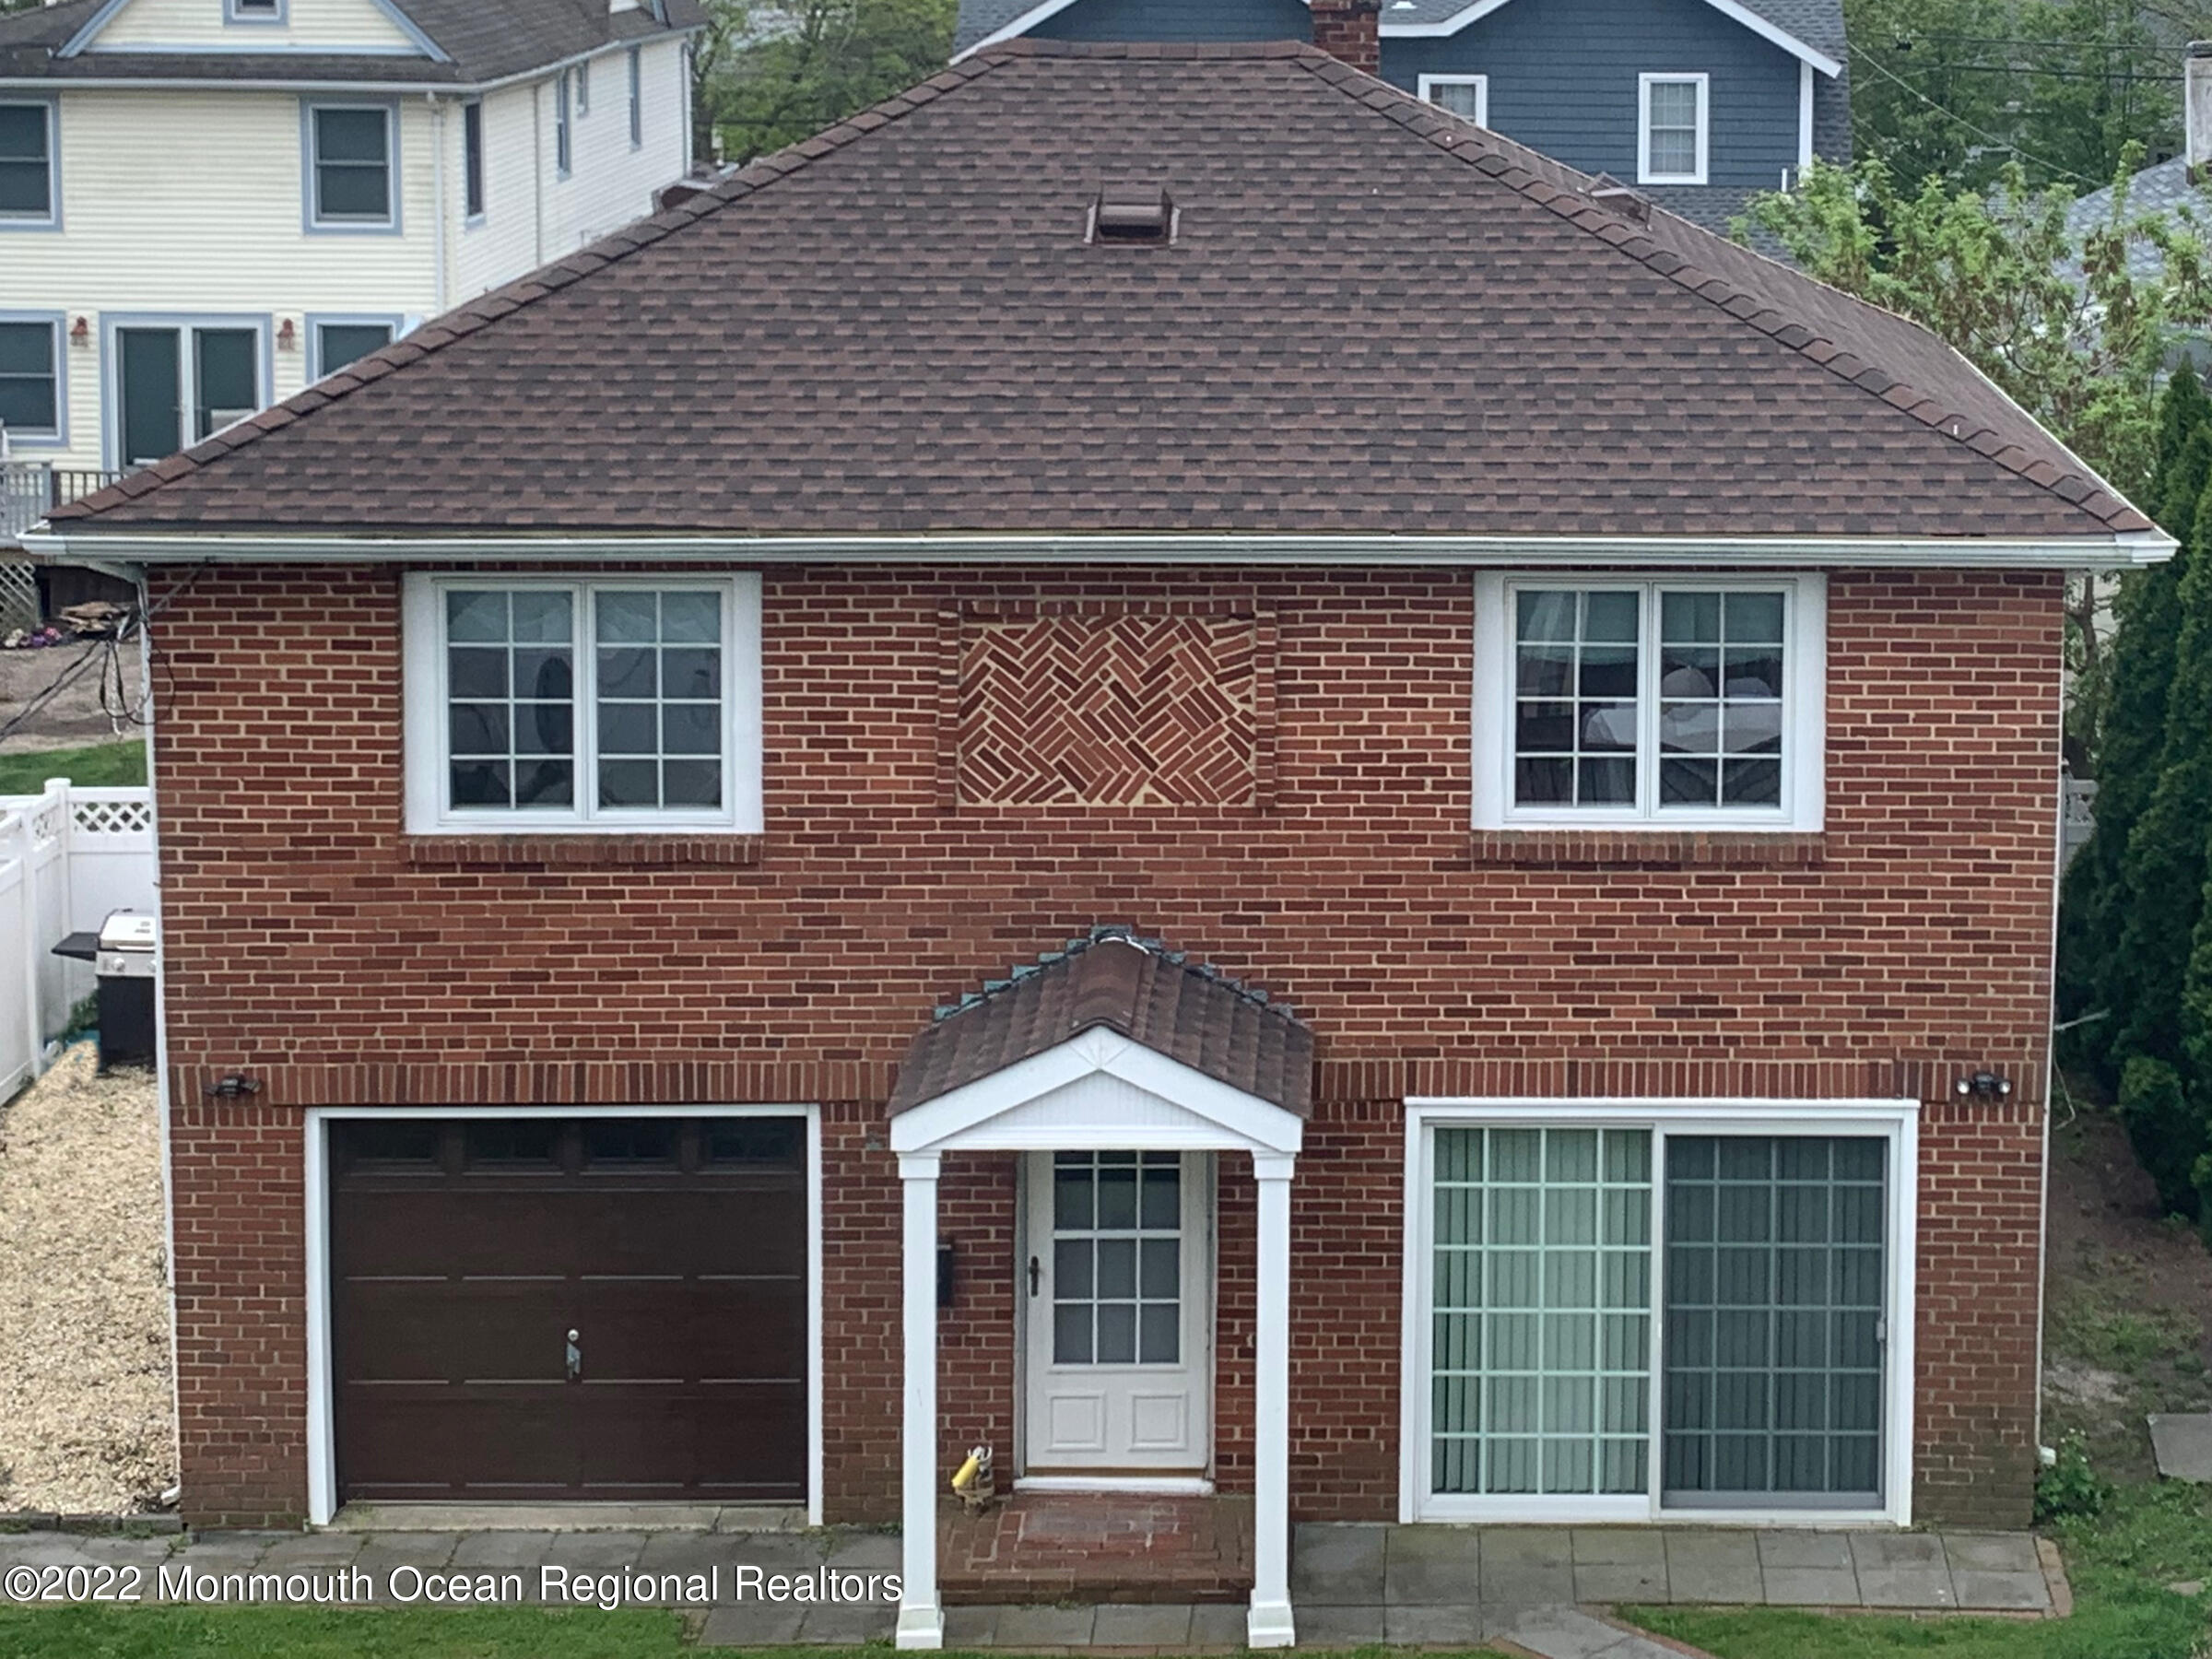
(288, 336)
(233, 1085)
(80, 332)
(1985, 1084)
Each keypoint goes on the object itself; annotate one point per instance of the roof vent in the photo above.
(1139, 214)
(1610, 194)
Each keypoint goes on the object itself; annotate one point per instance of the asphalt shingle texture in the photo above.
(1375, 320)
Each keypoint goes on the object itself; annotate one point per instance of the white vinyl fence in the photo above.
(68, 857)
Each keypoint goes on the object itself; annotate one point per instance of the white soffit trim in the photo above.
(2111, 550)
(1066, 1097)
(1750, 19)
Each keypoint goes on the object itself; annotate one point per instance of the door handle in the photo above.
(575, 1360)
(1035, 1272)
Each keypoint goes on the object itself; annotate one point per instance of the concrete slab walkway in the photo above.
(1539, 1588)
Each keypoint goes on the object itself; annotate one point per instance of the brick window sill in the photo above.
(1660, 849)
(577, 851)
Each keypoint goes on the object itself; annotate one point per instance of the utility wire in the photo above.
(1880, 69)
(115, 701)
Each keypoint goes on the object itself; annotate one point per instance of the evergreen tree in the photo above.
(2163, 876)
(2097, 897)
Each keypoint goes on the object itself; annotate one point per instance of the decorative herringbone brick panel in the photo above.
(1134, 707)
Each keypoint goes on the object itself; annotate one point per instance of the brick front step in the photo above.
(1041, 1548)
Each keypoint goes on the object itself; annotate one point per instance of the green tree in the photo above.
(772, 71)
(1953, 90)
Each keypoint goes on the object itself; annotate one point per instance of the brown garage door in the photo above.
(464, 1254)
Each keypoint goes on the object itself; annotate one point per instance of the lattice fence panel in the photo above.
(18, 594)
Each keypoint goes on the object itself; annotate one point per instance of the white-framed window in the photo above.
(1671, 128)
(1667, 703)
(1466, 96)
(31, 195)
(1624, 1310)
(253, 11)
(33, 397)
(541, 704)
(637, 99)
(349, 166)
(563, 142)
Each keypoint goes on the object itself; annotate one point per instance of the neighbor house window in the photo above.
(30, 387)
(561, 147)
(349, 167)
(1466, 96)
(253, 11)
(1670, 145)
(1624, 1311)
(339, 341)
(1673, 702)
(583, 87)
(472, 160)
(583, 704)
(29, 192)
(637, 101)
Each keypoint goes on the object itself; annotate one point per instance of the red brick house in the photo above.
(1152, 759)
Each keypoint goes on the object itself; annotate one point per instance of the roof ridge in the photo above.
(1113, 933)
(466, 318)
(1478, 146)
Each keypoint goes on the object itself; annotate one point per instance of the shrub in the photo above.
(2070, 1487)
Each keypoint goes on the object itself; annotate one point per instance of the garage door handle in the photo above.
(575, 1360)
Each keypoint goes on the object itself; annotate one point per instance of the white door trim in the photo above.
(1896, 1122)
(321, 1414)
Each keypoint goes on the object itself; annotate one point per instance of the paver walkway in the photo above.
(1352, 1584)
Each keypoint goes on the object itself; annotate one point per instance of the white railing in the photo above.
(68, 857)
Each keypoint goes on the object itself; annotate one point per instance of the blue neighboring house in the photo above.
(1695, 103)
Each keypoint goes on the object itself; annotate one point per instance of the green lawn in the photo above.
(147, 1633)
(102, 765)
(2119, 1565)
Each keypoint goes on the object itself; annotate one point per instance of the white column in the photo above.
(921, 1620)
(1269, 1623)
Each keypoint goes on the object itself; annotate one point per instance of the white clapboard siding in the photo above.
(316, 25)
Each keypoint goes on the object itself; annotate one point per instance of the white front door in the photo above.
(1118, 1361)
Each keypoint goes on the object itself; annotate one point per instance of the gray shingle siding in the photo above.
(1563, 81)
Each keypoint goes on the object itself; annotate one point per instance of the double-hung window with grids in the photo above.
(580, 705)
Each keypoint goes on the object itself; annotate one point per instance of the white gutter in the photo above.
(2121, 550)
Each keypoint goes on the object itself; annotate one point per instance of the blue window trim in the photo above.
(111, 372)
(277, 19)
(583, 87)
(636, 98)
(471, 221)
(59, 438)
(564, 135)
(53, 106)
(394, 173)
(313, 323)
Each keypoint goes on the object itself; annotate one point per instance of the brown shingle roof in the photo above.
(1375, 320)
(1135, 986)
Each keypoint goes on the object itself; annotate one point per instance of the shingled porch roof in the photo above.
(1135, 986)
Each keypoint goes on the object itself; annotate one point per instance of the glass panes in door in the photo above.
(1117, 1258)
(1774, 1289)
(178, 385)
(1541, 1297)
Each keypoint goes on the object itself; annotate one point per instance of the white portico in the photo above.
(1123, 1064)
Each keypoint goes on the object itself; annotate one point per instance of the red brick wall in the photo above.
(311, 944)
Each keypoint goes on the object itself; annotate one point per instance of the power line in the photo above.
(1880, 69)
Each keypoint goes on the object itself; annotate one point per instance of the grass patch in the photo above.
(170, 1632)
(2119, 1565)
(100, 766)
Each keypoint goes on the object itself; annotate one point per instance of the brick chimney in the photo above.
(1347, 29)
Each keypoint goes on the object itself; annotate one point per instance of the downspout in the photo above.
(437, 206)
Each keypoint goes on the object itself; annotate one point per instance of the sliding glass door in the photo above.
(1618, 1319)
